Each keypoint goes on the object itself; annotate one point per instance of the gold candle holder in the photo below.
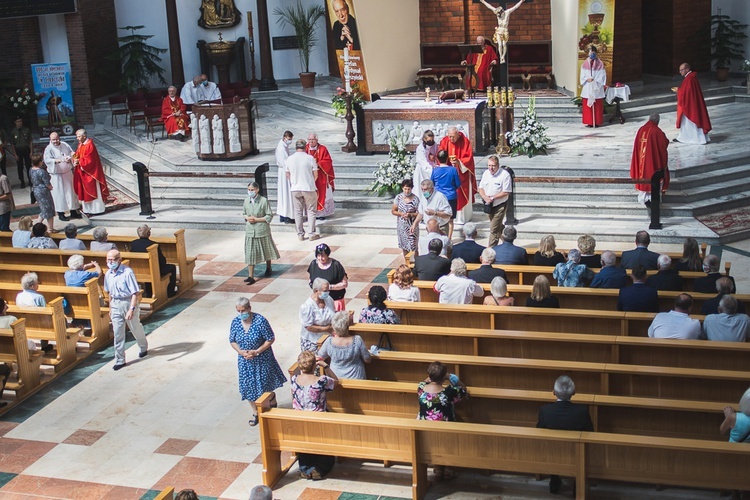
(490, 102)
(496, 96)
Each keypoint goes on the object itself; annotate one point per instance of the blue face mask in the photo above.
(251, 194)
(204, 83)
(244, 316)
(592, 56)
(427, 194)
(324, 295)
(113, 265)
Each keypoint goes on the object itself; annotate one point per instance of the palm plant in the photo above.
(302, 20)
(139, 61)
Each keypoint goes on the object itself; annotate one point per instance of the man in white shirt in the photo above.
(207, 91)
(302, 171)
(433, 232)
(494, 188)
(284, 205)
(433, 205)
(727, 326)
(188, 92)
(456, 288)
(676, 324)
(58, 157)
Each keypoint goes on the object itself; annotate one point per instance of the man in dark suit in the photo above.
(432, 266)
(641, 254)
(508, 253)
(469, 250)
(486, 273)
(564, 415)
(708, 284)
(639, 297)
(724, 287)
(141, 245)
(666, 278)
(610, 275)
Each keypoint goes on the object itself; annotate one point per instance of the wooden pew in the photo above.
(668, 461)
(48, 275)
(48, 323)
(166, 494)
(173, 248)
(83, 300)
(15, 351)
(675, 256)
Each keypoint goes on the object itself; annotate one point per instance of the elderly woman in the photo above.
(547, 254)
(71, 242)
(251, 336)
(405, 208)
(332, 271)
(691, 257)
(22, 234)
(100, 243)
(541, 295)
(498, 293)
(436, 402)
(316, 314)
(402, 288)
(573, 273)
(41, 185)
(587, 247)
(78, 275)
(309, 394)
(347, 353)
(259, 245)
(39, 238)
(376, 312)
(456, 287)
(737, 423)
(30, 297)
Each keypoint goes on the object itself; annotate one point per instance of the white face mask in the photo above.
(251, 194)
(288, 142)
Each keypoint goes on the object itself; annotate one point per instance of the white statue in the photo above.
(415, 133)
(218, 128)
(234, 134)
(501, 32)
(195, 131)
(205, 135)
(380, 135)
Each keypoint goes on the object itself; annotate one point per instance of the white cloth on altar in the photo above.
(284, 207)
(620, 92)
(690, 133)
(96, 206)
(60, 168)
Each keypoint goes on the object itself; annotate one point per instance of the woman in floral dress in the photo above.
(376, 312)
(252, 336)
(41, 185)
(405, 207)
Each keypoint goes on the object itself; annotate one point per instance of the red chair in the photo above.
(137, 96)
(152, 103)
(244, 92)
(237, 85)
(154, 95)
(137, 112)
(118, 106)
(228, 93)
(153, 119)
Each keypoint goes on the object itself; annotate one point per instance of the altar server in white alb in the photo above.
(593, 80)
(284, 207)
(425, 160)
(58, 157)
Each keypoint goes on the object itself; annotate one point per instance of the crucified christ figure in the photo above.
(501, 32)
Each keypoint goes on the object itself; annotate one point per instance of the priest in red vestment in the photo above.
(324, 182)
(174, 116)
(649, 155)
(692, 115)
(483, 64)
(461, 156)
(89, 181)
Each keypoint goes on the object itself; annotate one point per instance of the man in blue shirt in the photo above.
(508, 253)
(610, 275)
(446, 180)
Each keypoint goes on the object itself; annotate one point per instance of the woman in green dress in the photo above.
(259, 245)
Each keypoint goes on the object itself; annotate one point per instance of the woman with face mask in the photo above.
(259, 245)
(252, 337)
(316, 315)
(593, 80)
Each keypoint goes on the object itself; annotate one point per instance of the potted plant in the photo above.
(302, 20)
(727, 35)
(138, 60)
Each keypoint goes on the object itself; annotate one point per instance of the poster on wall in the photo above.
(348, 49)
(596, 26)
(55, 111)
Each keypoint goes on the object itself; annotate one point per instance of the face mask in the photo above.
(244, 316)
(430, 143)
(592, 56)
(113, 265)
(427, 194)
(288, 142)
(251, 194)
(324, 295)
(205, 84)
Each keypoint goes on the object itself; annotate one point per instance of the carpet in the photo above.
(728, 221)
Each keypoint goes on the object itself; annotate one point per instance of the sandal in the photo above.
(274, 403)
(253, 421)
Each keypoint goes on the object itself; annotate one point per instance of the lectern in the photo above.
(242, 110)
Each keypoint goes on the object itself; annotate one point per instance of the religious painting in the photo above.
(348, 48)
(596, 26)
(216, 14)
(55, 110)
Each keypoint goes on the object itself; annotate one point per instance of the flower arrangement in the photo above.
(528, 137)
(22, 100)
(338, 100)
(745, 66)
(399, 166)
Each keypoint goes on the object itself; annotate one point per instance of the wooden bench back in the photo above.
(14, 349)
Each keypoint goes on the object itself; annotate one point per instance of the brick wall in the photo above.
(21, 48)
(627, 58)
(689, 17)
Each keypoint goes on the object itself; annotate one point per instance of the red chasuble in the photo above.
(89, 173)
(690, 103)
(649, 155)
(174, 123)
(462, 150)
(325, 172)
(481, 63)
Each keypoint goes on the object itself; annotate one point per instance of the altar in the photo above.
(224, 131)
(383, 117)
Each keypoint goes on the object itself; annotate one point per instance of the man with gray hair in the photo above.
(432, 232)
(508, 253)
(141, 245)
(58, 157)
(728, 325)
(707, 284)
(564, 415)
(469, 250)
(649, 156)
(71, 242)
(89, 181)
(495, 188)
(30, 297)
(666, 278)
(573, 273)
(432, 205)
(461, 156)
(610, 276)
(100, 243)
(486, 272)
(302, 172)
(723, 287)
(261, 492)
(456, 287)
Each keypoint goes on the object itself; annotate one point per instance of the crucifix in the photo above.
(502, 36)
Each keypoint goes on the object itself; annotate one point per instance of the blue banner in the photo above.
(55, 111)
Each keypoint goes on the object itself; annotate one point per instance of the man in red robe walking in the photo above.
(324, 183)
(483, 64)
(174, 115)
(692, 115)
(89, 181)
(461, 156)
(649, 155)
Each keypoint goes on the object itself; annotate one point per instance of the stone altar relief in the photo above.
(218, 127)
(205, 134)
(234, 134)
(195, 132)
(382, 130)
(216, 14)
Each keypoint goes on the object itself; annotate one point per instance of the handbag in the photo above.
(487, 207)
(384, 344)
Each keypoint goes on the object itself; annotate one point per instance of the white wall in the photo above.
(152, 15)
(54, 38)
(739, 10)
(565, 43)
